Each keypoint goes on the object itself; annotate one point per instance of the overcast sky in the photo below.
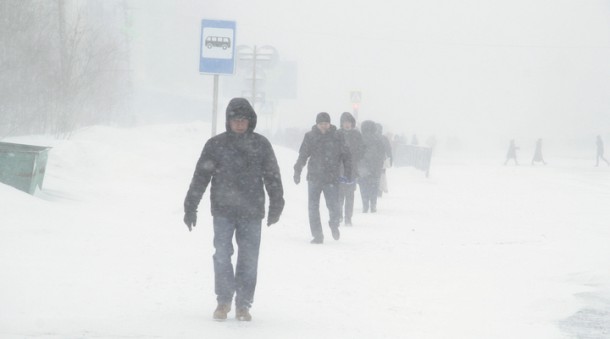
(489, 68)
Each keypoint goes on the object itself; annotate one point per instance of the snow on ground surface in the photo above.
(477, 250)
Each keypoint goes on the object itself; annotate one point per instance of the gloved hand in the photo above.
(276, 206)
(346, 180)
(272, 218)
(297, 178)
(190, 219)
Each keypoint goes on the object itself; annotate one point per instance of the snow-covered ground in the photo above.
(478, 250)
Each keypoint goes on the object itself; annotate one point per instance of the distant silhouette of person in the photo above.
(387, 163)
(370, 165)
(600, 151)
(512, 152)
(414, 140)
(538, 153)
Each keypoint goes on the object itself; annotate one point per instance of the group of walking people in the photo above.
(337, 160)
(240, 165)
(511, 154)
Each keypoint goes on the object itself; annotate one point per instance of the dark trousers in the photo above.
(600, 156)
(369, 188)
(242, 281)
(331, 196)
(346, 200)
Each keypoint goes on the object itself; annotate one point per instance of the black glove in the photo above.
(190, 219)
(272, 218)
(297, 178)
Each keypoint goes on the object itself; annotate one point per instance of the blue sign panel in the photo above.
(217, 51)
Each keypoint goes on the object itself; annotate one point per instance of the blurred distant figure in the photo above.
(370, 166)
(387, 163)
(600, 151)
(512, 152)
(538, 153)
(353, 140)
(414, 140)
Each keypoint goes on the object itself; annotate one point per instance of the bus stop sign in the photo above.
(217, 49)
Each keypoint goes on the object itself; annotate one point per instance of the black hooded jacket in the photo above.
(374, 155)
(238, 165)
(326, 153)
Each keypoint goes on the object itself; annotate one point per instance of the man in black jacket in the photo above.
(239, 163)
(326, 151)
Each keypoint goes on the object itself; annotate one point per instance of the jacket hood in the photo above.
(347, 116)
(240, 107)
(368, 127)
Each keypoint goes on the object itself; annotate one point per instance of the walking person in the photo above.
(538, 153)
(370, 166)
(347, 188)
(240, 165)
(324, 151)
(599, 143)
(387, 162)
(512, 152)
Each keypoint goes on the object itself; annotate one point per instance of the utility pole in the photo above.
(259, 57)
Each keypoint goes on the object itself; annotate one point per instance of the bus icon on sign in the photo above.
(217, 41)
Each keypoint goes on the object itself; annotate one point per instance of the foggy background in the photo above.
(485, 71)
(481, 72)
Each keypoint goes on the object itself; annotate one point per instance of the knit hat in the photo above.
(322, 117)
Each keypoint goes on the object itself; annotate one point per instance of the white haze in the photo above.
(483, 71)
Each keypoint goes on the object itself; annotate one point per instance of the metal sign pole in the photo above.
(215, 106)
(217, 55)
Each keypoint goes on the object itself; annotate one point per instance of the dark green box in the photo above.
(23, 166)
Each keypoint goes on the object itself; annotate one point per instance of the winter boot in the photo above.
(317, 240)
(335, 231)
(348, 222)
(243, 314)
(221, 311)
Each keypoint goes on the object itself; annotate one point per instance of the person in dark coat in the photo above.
(370, 165)
(347, 188)
(387, 163)
(599, 143)
(241, 165)
(538, 153)
(324, 151)
(512, 152)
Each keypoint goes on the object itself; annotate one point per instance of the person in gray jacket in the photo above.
(240, 165)
(324, 151)
(347, 188)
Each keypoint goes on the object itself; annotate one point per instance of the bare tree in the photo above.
(65, 65)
